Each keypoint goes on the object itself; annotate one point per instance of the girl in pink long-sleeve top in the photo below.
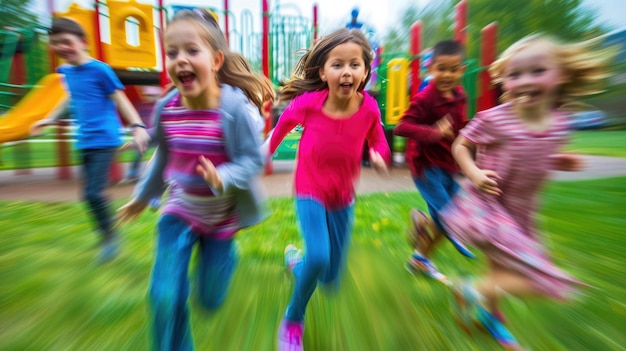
(337, 117)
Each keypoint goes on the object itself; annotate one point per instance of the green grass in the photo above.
(53, 297)
(599, 142)
(36, 155)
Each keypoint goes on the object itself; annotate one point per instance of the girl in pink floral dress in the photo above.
(507, 153)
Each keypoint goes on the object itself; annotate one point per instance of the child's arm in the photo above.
(36, 129)
(463, 151)
(380, 154)
(567, 162)
(413, 125)
(245, 157)
(131, 117)
(289, 119)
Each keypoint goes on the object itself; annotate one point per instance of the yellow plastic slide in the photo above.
(40, 102)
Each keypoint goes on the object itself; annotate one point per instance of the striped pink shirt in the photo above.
(190, 134)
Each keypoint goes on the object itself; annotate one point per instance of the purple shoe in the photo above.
(290, 336)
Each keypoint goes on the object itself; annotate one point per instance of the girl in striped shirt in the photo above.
(506, 153)
(209, 156)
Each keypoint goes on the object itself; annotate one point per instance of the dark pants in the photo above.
(96, 166)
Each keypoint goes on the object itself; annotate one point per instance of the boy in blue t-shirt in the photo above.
(96, 94)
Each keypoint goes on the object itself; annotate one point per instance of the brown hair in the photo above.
(306, 74)
(64, 25)
(235, 70)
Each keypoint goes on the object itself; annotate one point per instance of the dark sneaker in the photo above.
(420, 263)
(108, 248)
(154, 204)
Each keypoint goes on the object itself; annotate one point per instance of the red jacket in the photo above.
(425, 146)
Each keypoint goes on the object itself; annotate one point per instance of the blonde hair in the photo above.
(306, 75)
(584, 65)
(235, 70)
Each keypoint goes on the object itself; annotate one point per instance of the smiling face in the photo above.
(191, 63)
(344, 71)
(446, 71)
(69, 47)
(532, 76)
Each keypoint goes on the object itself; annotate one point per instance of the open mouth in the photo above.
(527, 96)
(186, 78)
(346, 86)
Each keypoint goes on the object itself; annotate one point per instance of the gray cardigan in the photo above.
(240, 176)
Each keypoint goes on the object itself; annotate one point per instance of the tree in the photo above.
(437, 23)
(565, 19)
(16, 14)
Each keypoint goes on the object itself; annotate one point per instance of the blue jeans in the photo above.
(437, 187)
(96, 167)
(326, 237)
(169, 287)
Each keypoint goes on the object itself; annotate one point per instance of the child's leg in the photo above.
(169, 286)
(312, 217)
(217, 265)
(96, 165)
(340, 225)
(435, 188)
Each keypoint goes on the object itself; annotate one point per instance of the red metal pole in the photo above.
(64, 171)
(226, 25)
(98, 41)
(163, 75)
(315, 23)
(460, 28)
(416, 43)
(488, 94)
(265, 49)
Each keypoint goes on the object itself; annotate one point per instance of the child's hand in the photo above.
(130, 211)
(445, 127)
(486, 181)
(37, 128)
(209, 173)
(378, 163)
(141, 138)
(568, 162)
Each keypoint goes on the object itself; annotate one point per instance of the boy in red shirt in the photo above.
(431, 123)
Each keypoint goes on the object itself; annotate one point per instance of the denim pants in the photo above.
(326, 237)
(96, 167)
(437, 187)
(169, 287)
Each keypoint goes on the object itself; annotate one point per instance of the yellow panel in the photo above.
(120, 54)
(397, 90)
(85, 18)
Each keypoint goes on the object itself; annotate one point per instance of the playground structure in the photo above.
(130, 43)
(124, 34)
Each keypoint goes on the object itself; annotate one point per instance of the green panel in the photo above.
(8, 41)
(288, 149)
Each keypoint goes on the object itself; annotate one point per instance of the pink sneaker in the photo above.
(290, 336)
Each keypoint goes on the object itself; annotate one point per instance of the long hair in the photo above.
(235, 70)
(584, 65)
(306, 75)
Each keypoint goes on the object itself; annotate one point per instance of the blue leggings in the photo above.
(326, 237)
(169, 288)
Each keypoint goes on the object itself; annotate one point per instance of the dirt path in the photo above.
(42, 185)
